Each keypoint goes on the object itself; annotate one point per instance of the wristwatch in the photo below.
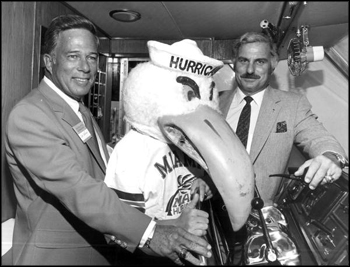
(343, 163)
(148, 243)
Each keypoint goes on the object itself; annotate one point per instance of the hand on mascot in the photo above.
(169, 241)
(193, 220)
(204, 190)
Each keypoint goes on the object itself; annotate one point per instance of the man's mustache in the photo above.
(250, 76)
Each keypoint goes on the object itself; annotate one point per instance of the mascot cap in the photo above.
(183, 56)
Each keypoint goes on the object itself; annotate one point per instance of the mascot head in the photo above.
(176, 80)
(173, 98)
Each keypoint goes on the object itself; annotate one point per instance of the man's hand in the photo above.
(170, 241)
(203, 188)
(321, 170)
(193, 220)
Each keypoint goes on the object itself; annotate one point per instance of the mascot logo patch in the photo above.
(182, 195)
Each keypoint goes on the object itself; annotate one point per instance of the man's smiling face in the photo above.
(74, 61)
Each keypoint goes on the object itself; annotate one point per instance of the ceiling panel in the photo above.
(222, 20)
(155, 20)
(327, 21)
(324, 13)
(177, 20)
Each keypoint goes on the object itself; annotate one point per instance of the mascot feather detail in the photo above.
(172, 101)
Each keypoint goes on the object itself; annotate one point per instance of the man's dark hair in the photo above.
(63, 23)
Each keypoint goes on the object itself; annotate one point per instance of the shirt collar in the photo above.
(257, 98)
(70, 101)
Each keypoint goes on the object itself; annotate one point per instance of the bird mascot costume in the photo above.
(177, 135)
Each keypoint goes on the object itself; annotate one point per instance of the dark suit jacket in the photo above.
(64, 207)
(285, 118)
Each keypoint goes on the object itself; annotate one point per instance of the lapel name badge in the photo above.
(82, 131)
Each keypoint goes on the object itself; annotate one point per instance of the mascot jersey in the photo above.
(152, 176)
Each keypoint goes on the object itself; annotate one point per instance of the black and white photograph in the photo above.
(175, 133)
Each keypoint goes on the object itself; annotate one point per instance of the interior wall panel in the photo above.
(17, 21)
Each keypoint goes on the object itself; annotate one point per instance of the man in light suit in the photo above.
(278, 120)
(66, 215)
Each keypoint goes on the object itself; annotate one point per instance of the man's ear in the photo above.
(48, 60)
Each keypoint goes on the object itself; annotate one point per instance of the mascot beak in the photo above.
(205, 136)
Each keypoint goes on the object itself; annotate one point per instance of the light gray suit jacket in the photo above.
(285, 119)
(64, 207)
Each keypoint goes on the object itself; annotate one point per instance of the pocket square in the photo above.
(281, 127)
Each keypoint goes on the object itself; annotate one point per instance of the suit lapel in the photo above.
(269, 110)
(59, 106)
(64, 111)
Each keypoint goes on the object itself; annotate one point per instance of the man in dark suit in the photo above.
(65, 212)
(278, 120)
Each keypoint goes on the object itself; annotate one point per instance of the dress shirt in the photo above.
(235, 110)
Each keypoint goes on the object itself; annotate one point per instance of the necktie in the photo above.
(243, 122)
(85, 112)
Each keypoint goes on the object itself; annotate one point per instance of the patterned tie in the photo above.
(244, 120)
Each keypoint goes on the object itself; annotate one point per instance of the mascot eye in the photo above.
(212, 86)
(190, 85)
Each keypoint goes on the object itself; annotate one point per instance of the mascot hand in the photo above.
(203, 188)
(193, 220)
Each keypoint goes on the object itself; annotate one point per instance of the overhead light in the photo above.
(125, 15)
